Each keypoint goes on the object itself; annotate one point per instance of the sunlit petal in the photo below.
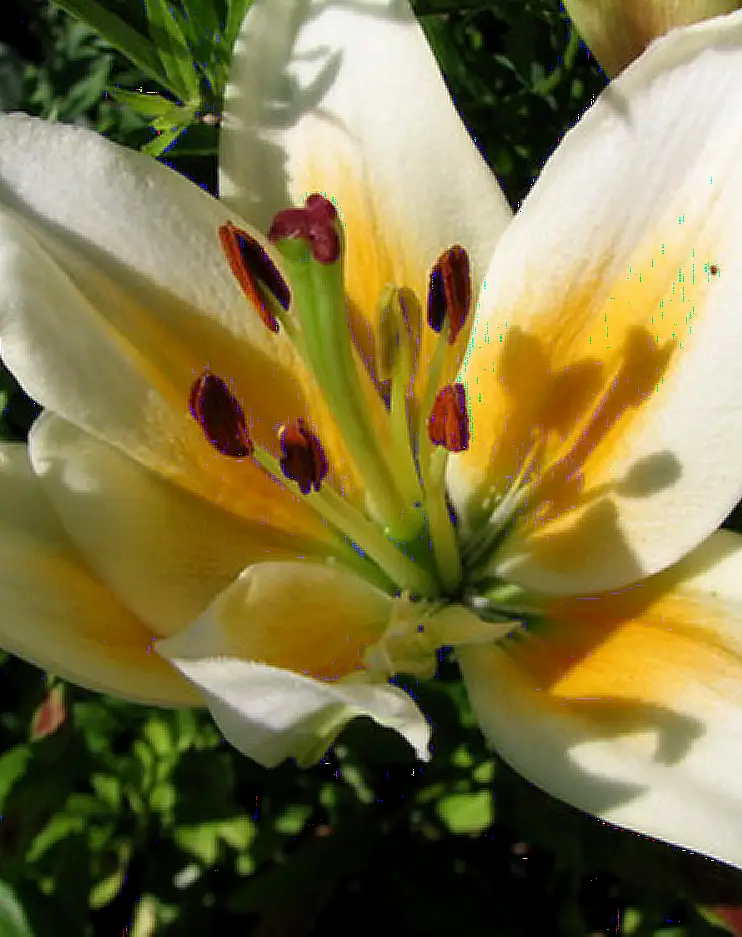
(607, 343)
(347, 100)
(270, 655)
(629, 704)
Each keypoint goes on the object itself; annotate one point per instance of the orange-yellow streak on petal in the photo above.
(302, 617)
(378, 253)
(634, 646)
(579, 373)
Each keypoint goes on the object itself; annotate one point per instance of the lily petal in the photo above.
(618, 31)
(164, 552)
(629, 704)
(347, 100)
(82, 339)
(608, 338)
(57, 614)
(270, 655)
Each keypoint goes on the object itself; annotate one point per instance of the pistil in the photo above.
(310, 243)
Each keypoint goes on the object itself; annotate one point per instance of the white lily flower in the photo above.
(259, 411)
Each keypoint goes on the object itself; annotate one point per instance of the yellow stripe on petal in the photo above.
(308, 618)
(57, 615)
(629, 705)
(604, 358)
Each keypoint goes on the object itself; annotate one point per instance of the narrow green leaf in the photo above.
(13, 921)
(163, 140)
(119, 34)
(235, 15)
(173, 50)
(149, 104)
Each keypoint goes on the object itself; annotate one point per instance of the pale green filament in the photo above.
(318, 291)
(442, 532)
(338, 512)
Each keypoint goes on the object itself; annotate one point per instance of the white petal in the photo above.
(145, 230)
(630, 704)
(271, 714)
(91, 350)
(348, 100)
(278, 657)
(609, 324)
(164, 552)
(57, 615)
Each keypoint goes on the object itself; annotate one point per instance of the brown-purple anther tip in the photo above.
(315, 223)
(449, 295)
(218, 412)
(254, 271)
(303, 459)
(448, 425)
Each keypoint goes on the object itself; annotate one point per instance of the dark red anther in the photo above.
(315, 223)
(449, 296)
(448, 425)
(303, 459)
(255, 272)
(221, 416)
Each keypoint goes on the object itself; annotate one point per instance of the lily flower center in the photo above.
(398, 419)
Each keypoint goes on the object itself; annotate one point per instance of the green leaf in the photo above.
(147, 103)
(467, 813)
(164, 140)
(119, 34)
(13, 922)
(173, 49)
(13, 766)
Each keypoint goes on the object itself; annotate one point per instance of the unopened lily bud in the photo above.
(618, 31)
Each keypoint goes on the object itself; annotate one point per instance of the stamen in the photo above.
(315, 223)
(449, 296)
(303, 459)
(220, 415)
(256, 273)
(448, 425)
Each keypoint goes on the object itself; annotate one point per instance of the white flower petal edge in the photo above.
(620, 278)
(348, 98)
(637, 720)
(163, 551)
(56, 614)
(277, 657)
(270, 714)
(117, 221)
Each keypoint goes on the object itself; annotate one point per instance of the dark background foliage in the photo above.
(123, 820)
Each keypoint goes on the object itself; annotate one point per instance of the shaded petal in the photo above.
(163, 551)
(57, 615)
(629, 704)
(270, 655)
(347, 100)
(88, 348)
(608, 331)
(618, 31)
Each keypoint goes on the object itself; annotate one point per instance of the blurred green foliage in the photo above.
(122, 820)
